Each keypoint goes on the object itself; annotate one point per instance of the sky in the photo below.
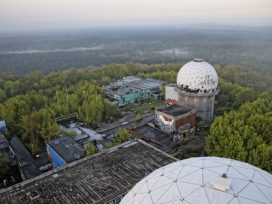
(51, 14)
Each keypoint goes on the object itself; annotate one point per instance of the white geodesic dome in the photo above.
(204, 180)
(198, 75)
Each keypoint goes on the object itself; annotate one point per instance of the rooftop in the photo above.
(175, 110)
(132, 84)
(83, 132)
(67, 148)
(26, 161)
(30, 170)
(41, 160)
(155, 137)
(96, 179)
(22, 155)
(205, 180)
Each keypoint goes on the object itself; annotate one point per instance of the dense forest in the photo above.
(29, 104)
(245, 134)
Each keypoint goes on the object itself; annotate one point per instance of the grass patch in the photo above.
(146, 107)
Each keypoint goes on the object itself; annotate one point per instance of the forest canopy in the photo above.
(245, 134)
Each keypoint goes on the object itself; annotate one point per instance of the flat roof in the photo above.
(73, 124)
(21, 153)
(155, 137)
(67, 148)
(175, 110)
(96, 179)
(132, 84)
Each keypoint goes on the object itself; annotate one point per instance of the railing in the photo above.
(65, 117)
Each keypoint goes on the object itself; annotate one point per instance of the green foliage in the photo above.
(257, 78)
(138, 115)
(37, 127)
(169, 76)
(232, 96)
(4, 164)
(69, 133)
(147, 107)
(90, 149)
(244, 134)
(121, 135)
(31, 116)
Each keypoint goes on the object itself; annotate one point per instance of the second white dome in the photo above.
(203, 180)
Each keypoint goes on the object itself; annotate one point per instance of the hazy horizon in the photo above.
(16, 15)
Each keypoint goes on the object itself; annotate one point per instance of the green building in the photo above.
(132, 89)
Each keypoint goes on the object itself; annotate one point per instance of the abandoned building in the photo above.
(176, 119)
(102, 178)
(72, 124)
(132, 89)
(64, 150)
(155, 137)
(25, 161)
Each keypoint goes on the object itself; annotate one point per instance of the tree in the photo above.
(90, 148)
(121, 135)
(4, 164)
(37, 128)
(2, 95)
(138, 115)
(244, 134)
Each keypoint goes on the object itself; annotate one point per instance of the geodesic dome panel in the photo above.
(204, 180)
(198, 75)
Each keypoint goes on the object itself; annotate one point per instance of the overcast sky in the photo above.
(37, 14)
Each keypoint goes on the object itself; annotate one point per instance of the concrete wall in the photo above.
(189, 119)
(56, 159)
(204, 105)
(171, 94)
(166, 124)
(170, 124)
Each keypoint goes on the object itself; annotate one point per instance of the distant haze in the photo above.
(52, 14)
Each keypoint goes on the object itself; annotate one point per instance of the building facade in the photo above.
(63, 150)
(176, 119)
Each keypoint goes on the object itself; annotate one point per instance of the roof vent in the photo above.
(221, 183)
(198, 60)
(55, 176)
(77, 156)
(33, 195)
